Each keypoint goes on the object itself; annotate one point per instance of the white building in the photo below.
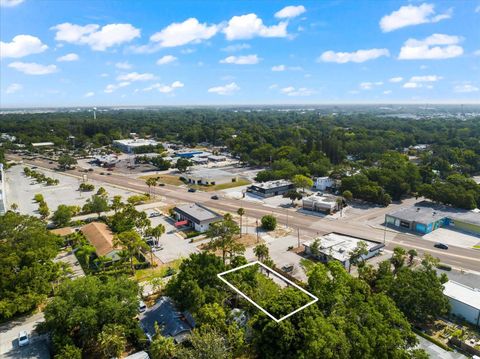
(3, 201)
(196, 216)
(322, 183)
(339, 247)
(209, 176)
(130, 145)
(326, 203)
(464, 301)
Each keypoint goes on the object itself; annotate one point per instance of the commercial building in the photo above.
(271, 188)
(209, 177)
(339, 247)
(196, 216)
(424, 217)
(464, 301)
(323, 183)
(171, 322)
(106, 160)
(129, 145)
(188, 153)
(101, 238)
(217, 158)
(326, 203)
(3, 201)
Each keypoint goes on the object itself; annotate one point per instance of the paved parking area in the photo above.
(21, 189)
(174, 246)
(453, 238)
(9, 338)
(70, 259)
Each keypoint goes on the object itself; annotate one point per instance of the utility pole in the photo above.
(257, 230)
(385, 229)
(298, 236)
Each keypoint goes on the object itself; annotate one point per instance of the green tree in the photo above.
(315, 247)
(222, 237)
(347, 195)
(183, 164)
(116, 203)
(269, 222)
(241, 213)
(162, 347)
(69, 352)
(96, 204)
(131, 243)
(261, 252)
(293, 195)
(151, 182)
(358, 254)
(43, 210)
(66, 162)
(412, 253)
(301, 181)
(38, 198)
(112, 340)
(14, 207)
(156, 232)
(63, 215)
(398, 258)
(206, 344)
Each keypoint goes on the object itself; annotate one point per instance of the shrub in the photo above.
(269, 222)
(38, 198)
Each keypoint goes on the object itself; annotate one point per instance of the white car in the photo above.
(23, 338)
(142, 306)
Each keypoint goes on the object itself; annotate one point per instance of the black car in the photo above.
(214, 197)
(192, 190)
(441, 245)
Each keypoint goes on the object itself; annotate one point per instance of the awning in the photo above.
(181, 223)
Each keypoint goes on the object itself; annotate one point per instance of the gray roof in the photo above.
(172, 323)
(426, 212)
(198, 212)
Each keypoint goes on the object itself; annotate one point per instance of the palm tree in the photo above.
(132, 244)
(152, 181)
(412, 253)
(241, 212)
(14, 207)
(157, 232)
(261, 252)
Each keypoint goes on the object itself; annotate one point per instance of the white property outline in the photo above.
(315, 299)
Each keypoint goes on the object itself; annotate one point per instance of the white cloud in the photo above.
(13, 88)
(370, 85)
(436, 46)
(241, 60)
(477, 9)
(411, 85)
(98, 38)
(279, 68)
(396, 79)
(189, 31)
(104, 75)
(428, 78)
(32, 68)
(412, 15)
(166, 60)
(187, 51)
(123, 65)
(135, 76)
(292, 91)
(387, 92)
(477, 53)
(113, 87)
(22, 45)
(89, 94)
(228, 89)
(356, 56)
(68, 57)
(289, 12)
(237, 47)
(164, 88)
(250, 26)
(465, 88)
(10, 3)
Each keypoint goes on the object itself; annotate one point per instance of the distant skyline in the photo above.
(172, 53)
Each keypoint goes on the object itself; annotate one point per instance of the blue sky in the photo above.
(99, 52)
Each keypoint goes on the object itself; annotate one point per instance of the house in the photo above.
(323, 183)
(170, 321)
(464, 301)
(196, 216)
(209, 176)
(130, 145)
(271, 188)
(100, 236)
(425, 217)
(339, 247)
(321, 203)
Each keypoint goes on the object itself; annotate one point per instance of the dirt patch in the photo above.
(248, 240)
(165, 178)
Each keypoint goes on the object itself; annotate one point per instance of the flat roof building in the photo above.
(325, 203)
(188, 153)
(196, 216)
(424, 217)
(339, 247)
(464, 301)
(209, 176)
(271, 188)
(322, 183)
(129, 145)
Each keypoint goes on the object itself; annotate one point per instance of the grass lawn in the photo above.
(167, 179)
(219, 187)
(147, 274)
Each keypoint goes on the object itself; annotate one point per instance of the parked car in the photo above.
(23, 338)
(441, 245)
(192, 190)
(161, 184)
(287, 268)
(214, 197)
(155, 214)
(142, 306)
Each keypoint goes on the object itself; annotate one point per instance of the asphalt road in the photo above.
(308, 225)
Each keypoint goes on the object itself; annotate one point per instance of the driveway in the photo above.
(9, 338)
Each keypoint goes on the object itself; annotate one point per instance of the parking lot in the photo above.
(453, 238)
(21, 189)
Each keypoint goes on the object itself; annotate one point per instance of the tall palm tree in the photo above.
(152, 181)
(132, 244)
(261, 252)
(241, 212)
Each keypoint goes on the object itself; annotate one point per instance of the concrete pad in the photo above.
(452, 237)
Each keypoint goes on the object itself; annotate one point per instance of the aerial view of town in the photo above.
(239, 179)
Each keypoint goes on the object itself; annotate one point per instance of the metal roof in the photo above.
(463, 293)
(197, 211)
